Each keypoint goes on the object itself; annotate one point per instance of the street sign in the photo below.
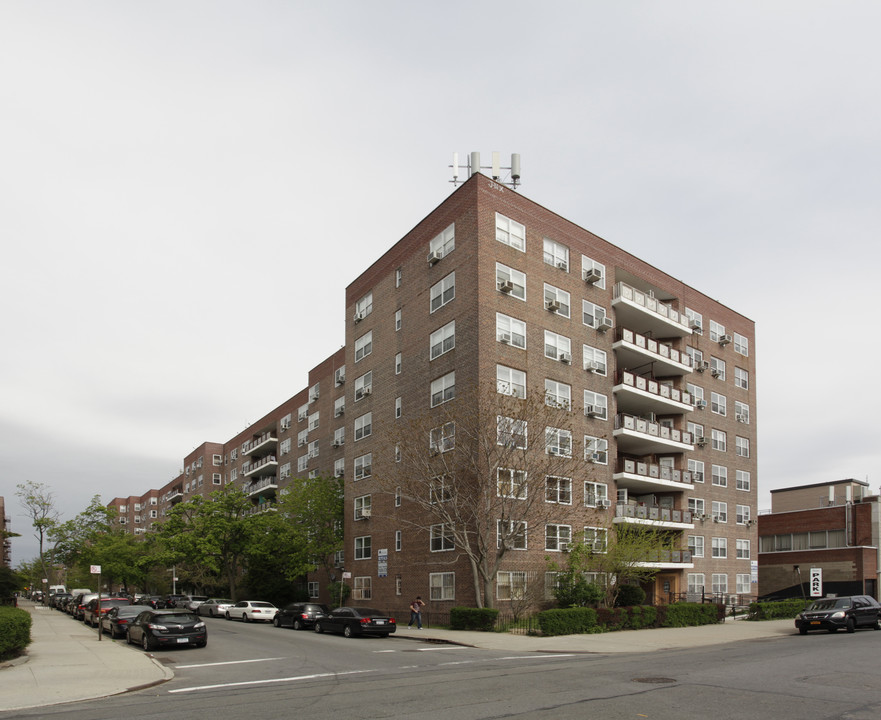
(95, 569)
(816, 582)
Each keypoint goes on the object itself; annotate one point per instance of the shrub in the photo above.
(780, 609)
(464, 618)
(687, 614)
(15, 631)
(568, 621)
(630, 596)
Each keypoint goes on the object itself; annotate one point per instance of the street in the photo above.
(252, 672)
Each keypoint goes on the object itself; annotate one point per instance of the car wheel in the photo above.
(128, 639)
(347, 631)
(832, 629)
(318, 628)
(298, 625)
(202, 644)
(227, 615)
(851, 625)
(145, 642)
(244, 617)
(876, 625)
(803, 630)
(276, 621)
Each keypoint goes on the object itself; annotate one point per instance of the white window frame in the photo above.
(743, 549)
(558, 490)
(363, 547)
(741, 514)
(442, 586)
(510, 381)
(443, 389)
(741, 446)
(442, 292)
(592, 314)
(718, 404)
(558, 537)
(696, 546)
(596, 450)
(511, 330)
(720, 476)
(741, 344)
(720, 511)
(719, 440)
(442, 340)
(441, 538)
(556, 254)
(720, 548)
(597, 401)
(588, 264)
(595, 493)
(558, 441)
(511, 483)
(744, 480)
(363, 346)
(561, 297)
(598, 359)
(515, 277)
(363, 426)
(444, 242)
(510, 232)
(512, 432)
(741, 378)
(558, 394)
(556, 345)
(363, 466)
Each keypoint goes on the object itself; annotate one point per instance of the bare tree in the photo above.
(479, 468)
(39, 503)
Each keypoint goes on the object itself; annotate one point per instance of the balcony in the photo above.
(261, 508)
(261, 467)
(656, 517)
(639, 309)
(641, 436)
(642, 395)
(640, 478)
(175, 495)
(262, 445)
(670, 560)
(264, 488)
(633, 350)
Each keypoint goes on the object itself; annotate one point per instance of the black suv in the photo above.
(300, 615)
(849, 612)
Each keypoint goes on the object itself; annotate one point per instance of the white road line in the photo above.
(537, 657)
(378, 652)
(268, 681)
(229, 662)
(432, 649)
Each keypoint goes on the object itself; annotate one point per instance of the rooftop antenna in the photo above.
(473, 166)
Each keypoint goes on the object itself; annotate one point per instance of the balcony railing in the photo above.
(261, 508)
(633, 349)
(642, 395)
(650, 477)
(659, 315)
(251, 468)
(651, 515)
(259, 485)
(641, 436)
(264, 440)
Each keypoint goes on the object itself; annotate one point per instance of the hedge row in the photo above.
(15, 631)
(465, 618)
(779, 609)
(572, 621)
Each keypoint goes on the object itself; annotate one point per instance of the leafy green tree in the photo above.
(118, 553)
(10, 582)
(72, 539)
(38, 502)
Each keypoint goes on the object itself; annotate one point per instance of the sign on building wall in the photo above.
(816, 582)
(382, 562)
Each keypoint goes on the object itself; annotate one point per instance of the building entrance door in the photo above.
(666, 588)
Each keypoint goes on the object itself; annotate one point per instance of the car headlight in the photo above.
(199, 625)
(837, 615)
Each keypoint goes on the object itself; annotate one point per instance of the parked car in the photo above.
(300, 615)
(176, 601)
(215, 607)
(156, 602)
(116, 619)
(79, 608)
(95, 609)
(194, 602)
(58, 599)
(848, 612)
(248, 610)
(357, 621)
(155, 628)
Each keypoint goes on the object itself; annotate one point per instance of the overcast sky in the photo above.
(174, 174)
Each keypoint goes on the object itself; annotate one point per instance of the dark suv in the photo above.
(300, 615)
(849, 612)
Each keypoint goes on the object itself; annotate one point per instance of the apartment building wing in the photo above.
(6, 557)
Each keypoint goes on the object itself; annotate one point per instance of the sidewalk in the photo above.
(66, 662)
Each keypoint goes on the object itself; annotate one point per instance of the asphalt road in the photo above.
(256, 672)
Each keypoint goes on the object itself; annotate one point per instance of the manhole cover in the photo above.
(654, 680)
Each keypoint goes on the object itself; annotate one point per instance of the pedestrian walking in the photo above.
(416, 612)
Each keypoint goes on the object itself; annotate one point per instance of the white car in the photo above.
(214, 607)
(194, 602)
(249, 610)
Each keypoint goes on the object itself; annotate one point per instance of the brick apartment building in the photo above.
(6, 557)
(491, 289)
(834, 526)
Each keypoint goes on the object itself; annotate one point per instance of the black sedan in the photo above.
(155, 628)
(840, 612)
(300, 615)
(116, 619)
(357, 621)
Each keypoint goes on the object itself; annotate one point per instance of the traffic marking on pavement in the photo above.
(268, 681)
(228, 662)
(537, 657)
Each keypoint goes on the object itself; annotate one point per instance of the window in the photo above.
(511, 534)
(511, 432)
(313, 449)
(443, 340)
(696, 583)
(720, 583)
(339, 436)
(696, 392)
(595, 494)
(720, 547)
(510, 381)
(741, 378)
(696, 467)
(743, 549)
(558, 442)
(511, 483)
(596, 539)
(339, 467)
(696, 431)
(283, 472)
(216, 460)
(595, 360)
(558, 395)
(695, 320)
(596, 450)
(742, 584)
(556, 254)
(362, 504)
(511, 282)
(399, 277)
(718, 404)
(399, 543)
(557, 537)
(442, 438)
(510, 232)
(398, 364)
(743, 480)
(696, 545)
(364, 346)
(696, 506)
(592, 315)
(398, 496)
(363, 426)
(314, 419)
(511, 585)
(442, 586)
(717, 368)
(444, 243)
(742, 514)
(741, 446)
(398, 407)
(440, 489)
(596, 405)
(510, 331)
(363, 466)
(697, 357)
(313, 589)
(720, 511)
(363, 385)
(362, 548)
(302, 438)
(442, 538)
(558, 347)
(339, 406)
(716, 331)
(397, 320)
(364, 306)
(592, 269)
(720, 476)
(362, 588)
(443, 389)
(741, 344)
(558, 490)
(741, 412)
(557, 300)
(443, 292)
(720, 440)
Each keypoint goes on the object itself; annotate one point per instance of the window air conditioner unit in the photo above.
(700, 404)
(605, 503)
(366, 512)
(433, 257)
(552, 305)
(594, 411)
(369, 391)
(339, 411)
(724, 339)
(591, 276)
(505, 338)
(565, 357)
(339, 473)
(506, 286)
(700, 441)
(715, 372)
(716, 518)
(563, 265)
(740, 418)
(698, 476)
(285, 426)
(604, 324)
(335, 443)
(301, 417)
(340, 378)
(701, 366)
(591, 366)
(358, 317)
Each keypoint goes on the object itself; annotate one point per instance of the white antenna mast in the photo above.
(496, 168)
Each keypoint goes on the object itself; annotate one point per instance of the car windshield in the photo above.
(221, 602)
(368, 611)
(181, 618)
(831, 604)
(262, 604)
